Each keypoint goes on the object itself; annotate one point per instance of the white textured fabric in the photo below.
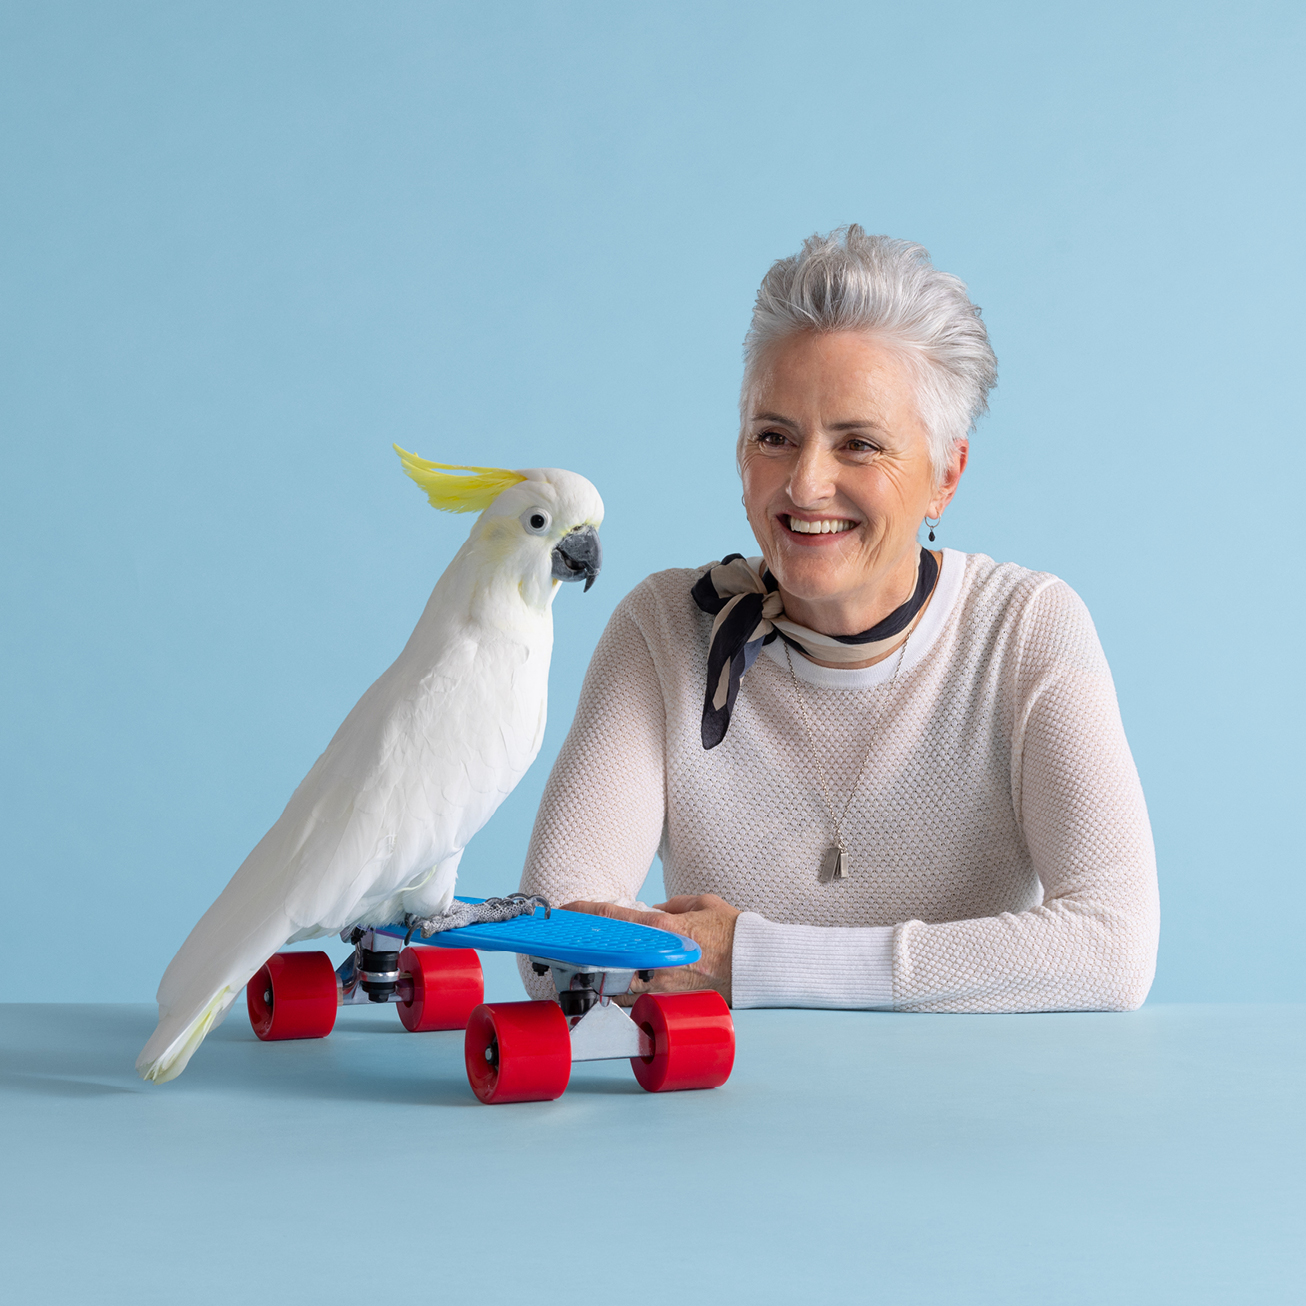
(999, 842)
(811, 965)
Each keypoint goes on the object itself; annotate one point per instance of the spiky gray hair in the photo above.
(889, 289)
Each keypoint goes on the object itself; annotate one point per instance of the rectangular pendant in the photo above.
(835, 865)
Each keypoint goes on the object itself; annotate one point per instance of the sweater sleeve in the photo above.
(600, 821)
(1091, 944)
(781, 965)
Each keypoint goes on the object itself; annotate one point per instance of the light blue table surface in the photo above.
(1153, 1157)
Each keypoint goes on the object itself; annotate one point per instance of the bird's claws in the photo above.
(489, 912)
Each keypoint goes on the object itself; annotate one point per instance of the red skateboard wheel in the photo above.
(293, 995)
(447, 987)
(518, 1052)
(693, 1040)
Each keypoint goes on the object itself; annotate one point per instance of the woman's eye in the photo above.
(861, 446)
(772, 439)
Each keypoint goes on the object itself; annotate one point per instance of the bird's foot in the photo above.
(475, 913)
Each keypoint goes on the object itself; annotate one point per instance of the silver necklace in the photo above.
(835, 865)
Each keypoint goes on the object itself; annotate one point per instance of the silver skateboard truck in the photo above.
(371, 972)
(600, 1029)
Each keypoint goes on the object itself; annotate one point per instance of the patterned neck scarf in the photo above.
(744, 598)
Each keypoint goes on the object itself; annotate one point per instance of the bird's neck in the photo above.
(497, 588)
(486, 603)
(498, 591)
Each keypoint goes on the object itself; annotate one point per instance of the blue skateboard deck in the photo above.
(570, 937)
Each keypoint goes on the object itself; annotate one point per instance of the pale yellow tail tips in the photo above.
(454, 493)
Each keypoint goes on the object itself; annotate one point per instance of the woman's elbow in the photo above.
(1124, 993)
(1123, 979)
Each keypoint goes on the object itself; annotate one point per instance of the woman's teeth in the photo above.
(826, 526)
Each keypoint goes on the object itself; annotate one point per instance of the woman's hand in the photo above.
(705, 918)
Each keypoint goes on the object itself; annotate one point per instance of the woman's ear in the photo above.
(948, 486)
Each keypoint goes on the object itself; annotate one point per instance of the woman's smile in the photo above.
(812, 528)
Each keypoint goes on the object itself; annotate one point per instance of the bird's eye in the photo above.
(536, 520)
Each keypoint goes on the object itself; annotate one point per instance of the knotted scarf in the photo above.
(744, 600)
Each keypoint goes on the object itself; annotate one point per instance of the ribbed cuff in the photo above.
(811, 965)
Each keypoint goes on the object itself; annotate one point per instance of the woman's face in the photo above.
(837, 477)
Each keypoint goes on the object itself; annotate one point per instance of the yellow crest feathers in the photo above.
(453, 493)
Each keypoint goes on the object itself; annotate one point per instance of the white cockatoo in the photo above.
(374, 833)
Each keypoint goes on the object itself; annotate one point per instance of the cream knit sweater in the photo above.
(1001, 857)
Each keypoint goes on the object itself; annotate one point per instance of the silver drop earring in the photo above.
(932, 525)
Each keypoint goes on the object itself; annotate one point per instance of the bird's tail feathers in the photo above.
(165, 1056)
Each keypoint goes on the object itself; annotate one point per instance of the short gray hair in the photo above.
(849, 281)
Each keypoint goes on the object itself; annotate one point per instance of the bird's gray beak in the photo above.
(577, 556)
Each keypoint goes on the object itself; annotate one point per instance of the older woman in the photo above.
(877, 775)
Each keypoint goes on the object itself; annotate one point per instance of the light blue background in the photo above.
(245, 247)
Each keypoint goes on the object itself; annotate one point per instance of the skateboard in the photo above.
(516, 1051)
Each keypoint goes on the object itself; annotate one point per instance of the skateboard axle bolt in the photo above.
(378, 973)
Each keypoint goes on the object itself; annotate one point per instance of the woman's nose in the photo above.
(812, 481)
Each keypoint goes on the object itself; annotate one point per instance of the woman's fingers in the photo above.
(674, 979)
(681, 904)
(687, 902)
(657, 919)
(593, 908)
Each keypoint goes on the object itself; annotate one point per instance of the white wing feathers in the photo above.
(414, 771)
